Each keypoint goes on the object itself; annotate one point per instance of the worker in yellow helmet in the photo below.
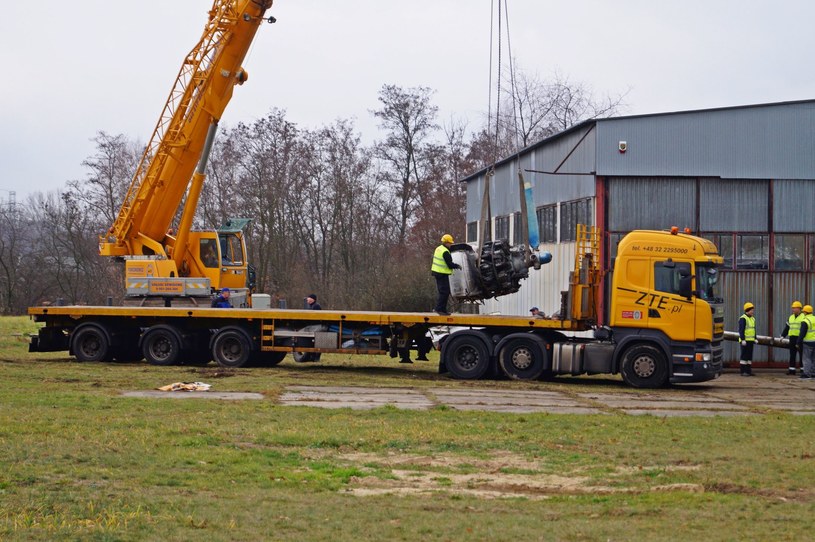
(747, 337)
(792, 330)
(808, 341)
(441, 269)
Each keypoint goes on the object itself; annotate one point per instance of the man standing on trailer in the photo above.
(441, 269)
(747, 336)
(792, 330)
(311, 302)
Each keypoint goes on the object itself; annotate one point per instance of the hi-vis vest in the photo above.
(795, 324)
(810, 336)
(439, 265)
(749, 327)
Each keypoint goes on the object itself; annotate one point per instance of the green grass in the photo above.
(79, 461)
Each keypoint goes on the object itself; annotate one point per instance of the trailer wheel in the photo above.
(161, 345)
(306, 357)
(89, 342)
(466, 357)
(267, 359)
(523, 358)
(644, 366)
(231, 348)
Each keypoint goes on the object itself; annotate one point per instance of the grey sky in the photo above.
(74, 68)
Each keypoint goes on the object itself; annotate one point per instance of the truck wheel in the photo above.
(89, 342)
(523, 358)
(267, 359)
(161, 345)
(644, 366)
(466, 357)
(231, 348)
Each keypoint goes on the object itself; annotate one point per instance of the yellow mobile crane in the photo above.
(189, 263)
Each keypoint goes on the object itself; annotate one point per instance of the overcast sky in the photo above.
(71, 69)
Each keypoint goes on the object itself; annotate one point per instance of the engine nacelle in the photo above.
(500, 272)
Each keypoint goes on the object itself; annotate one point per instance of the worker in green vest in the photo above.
(747, 337)
(441, 269)
(792, 331)
(808, 336)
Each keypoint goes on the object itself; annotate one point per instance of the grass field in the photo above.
(80, 462)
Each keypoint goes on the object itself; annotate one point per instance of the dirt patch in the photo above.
(488, 477)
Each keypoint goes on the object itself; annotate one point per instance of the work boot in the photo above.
(405, 360)
(791, 372)
(422, 357)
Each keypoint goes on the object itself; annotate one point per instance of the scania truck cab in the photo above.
(665, 296)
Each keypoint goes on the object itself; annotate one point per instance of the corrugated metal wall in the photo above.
(793, 206)
(651, 203)
(734, 205)
(756, 142)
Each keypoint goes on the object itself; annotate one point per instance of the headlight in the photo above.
(703, 356)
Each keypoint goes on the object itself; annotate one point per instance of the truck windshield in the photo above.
(707, 283)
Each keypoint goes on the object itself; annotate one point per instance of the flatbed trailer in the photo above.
(243, 336)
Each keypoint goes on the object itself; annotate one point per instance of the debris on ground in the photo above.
(186, 386)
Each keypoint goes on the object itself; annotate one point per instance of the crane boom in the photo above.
(197, 100)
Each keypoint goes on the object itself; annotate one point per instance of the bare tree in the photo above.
(534, 108)
(110, 170)
(409, 119)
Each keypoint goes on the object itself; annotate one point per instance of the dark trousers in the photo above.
(746, 358)
(443, 286)
(795, 352)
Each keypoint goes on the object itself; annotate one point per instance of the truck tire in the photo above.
(466, 357)
(161, 345)
(90, 342)
(231, 348)
(644, 366)
(523, 358)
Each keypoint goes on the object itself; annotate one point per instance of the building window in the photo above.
(518, 233)
(472, 232)
(789, 252)
(573, 213)
(752, 251)
(724, 244)
(502, 227)
(547, 223)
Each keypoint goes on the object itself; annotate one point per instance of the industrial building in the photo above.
(743, 177)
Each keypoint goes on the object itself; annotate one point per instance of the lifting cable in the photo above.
(486, 213)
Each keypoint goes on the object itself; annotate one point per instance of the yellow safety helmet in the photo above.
(748, 306)
(808, 309)
(447, 238)
(797, 305)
